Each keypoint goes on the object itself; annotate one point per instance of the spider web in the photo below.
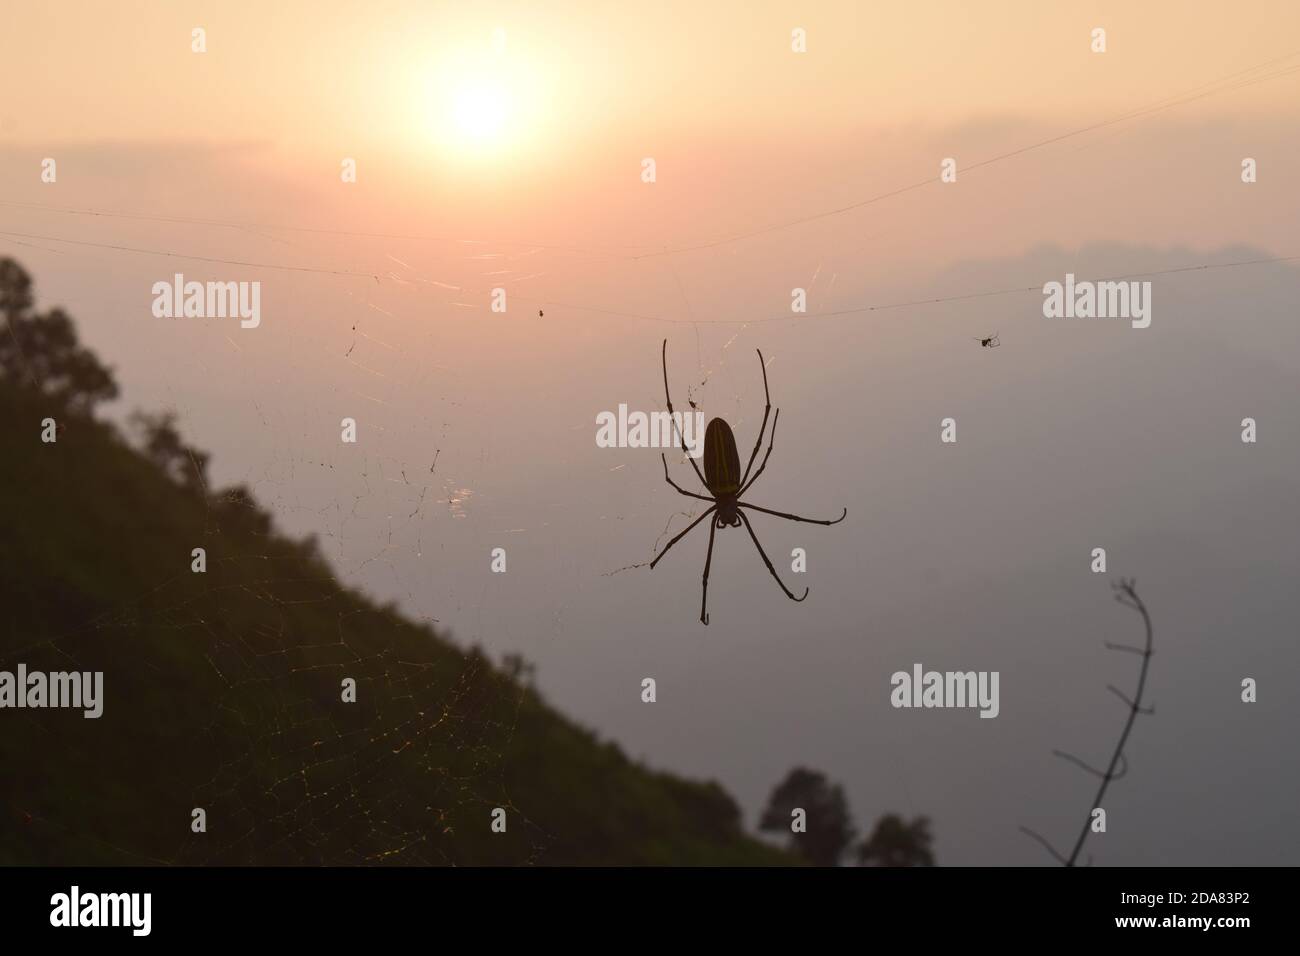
(284, 771)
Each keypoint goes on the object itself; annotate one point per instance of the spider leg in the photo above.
(771, 441)
(708, 560)
(767, 407)
(768, 562)
(683, 534)
(680, 489)
(668, 397)
(782, 514)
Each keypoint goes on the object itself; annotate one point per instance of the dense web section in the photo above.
(231, 703)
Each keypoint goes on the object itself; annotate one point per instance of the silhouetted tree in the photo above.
(15, 288)
(42, 351)
(163, 446)
(829, 823)
(895, 842)
(237, 506)
(518, 668)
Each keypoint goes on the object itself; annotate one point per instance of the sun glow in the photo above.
(480, 103)
(480, 111)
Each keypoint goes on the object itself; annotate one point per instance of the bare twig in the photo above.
(1043, 840)
(1092, 770)
(1126, 594)
(1120, 694)
(1124, 647)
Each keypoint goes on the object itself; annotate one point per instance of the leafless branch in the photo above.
(1120, 694)
(1043, 840)
(1126, 594)
(1124, 647)
(1092, 770)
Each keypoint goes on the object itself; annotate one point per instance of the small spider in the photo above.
(725, 484)
(991, 342)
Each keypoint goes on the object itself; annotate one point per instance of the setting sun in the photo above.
(480, 111)
(478, 100)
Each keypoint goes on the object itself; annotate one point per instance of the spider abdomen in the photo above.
(721, 461)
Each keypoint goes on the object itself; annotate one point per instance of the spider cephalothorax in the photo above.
(725, 484)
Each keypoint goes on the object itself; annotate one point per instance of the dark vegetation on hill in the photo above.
(222, 689)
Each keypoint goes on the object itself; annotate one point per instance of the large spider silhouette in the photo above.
(725, 485)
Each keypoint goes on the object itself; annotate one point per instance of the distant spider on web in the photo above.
(725, 485)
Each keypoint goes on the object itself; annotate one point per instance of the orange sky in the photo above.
(306, 77)
(746, 133)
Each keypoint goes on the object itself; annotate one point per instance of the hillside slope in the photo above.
(222, 692)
